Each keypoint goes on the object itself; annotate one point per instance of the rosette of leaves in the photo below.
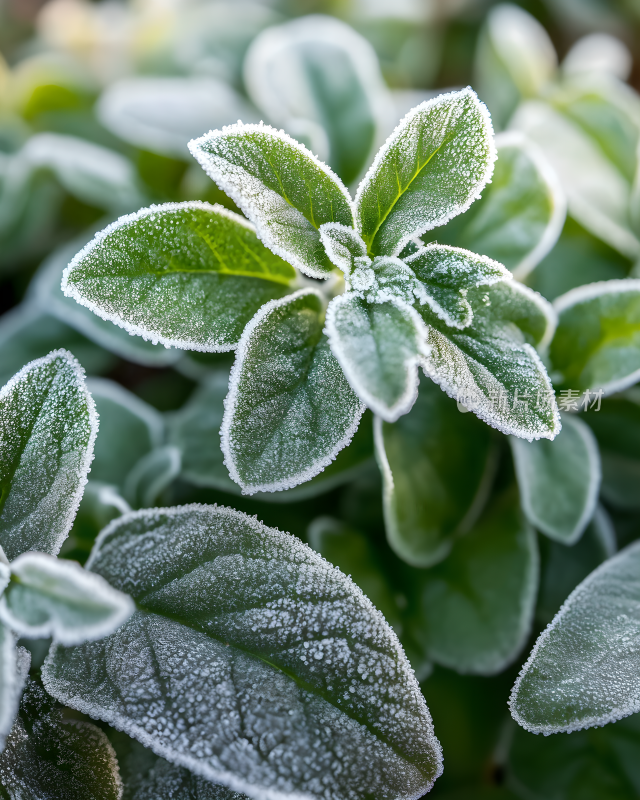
(309, 356)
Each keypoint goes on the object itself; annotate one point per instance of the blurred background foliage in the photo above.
(97, 102)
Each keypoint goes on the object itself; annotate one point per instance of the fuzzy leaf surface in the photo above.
(432, 167)
(280, 186)
(268, 668)
(188, 275)
(290, 410)
(597, 342)
(342, 244)
(437, 465)
(583, 670)
(559, 480)
(492, 367)
(48, 426)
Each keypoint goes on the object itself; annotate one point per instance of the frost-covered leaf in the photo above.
(280, 186)
(433, 166)
(9, 678)
(583, 670)
(515, 58)
(559, 480)
(492, 367)
(162, 114)
(195, 431)
(48, 426)
(290, 409)
(151, 475)
(48, 756)
(521, 212)
(437, 466)
(315, 72)
(598, 194)
(597, 342)
(50, 596)
(188, 275)
(475, 609)
(129, 428)
(447, 273)
(342, 244)
(378, 346)
(254, 662)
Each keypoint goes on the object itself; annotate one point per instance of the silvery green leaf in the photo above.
(129, 429)
(583, 670)
(492, 367)
(446, 274)
(152, 475)
(162, 113)
(316, 69)
(188, 275)
(559, 480)
(9, 678)
(437, 467)
(48, 427)
(597, 343)
(280, 186)
(254, 663)
(48, 756)
(515, 58)
(379, 346)
(432, 167)
(290, 410)
(521, 212)
(474, 610)
(598, 195)
(342, 244)
(50, 596)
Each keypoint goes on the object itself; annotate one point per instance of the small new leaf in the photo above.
(342, 244)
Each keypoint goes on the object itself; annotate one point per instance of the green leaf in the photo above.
(433, 166)
(317, 75)
(48, 596)
(280, 186)
(475, 609)
(379, 346)
(152, 475)
(188, 275)
(99, 505)
(491, 367)
(48, 426)
(559, 480)
(597, 343)
(48, 756)
(583, 670)
(446, 275)
(290, 409)
(129, 429)
(520, 215)
(342, 245)
(240, 623)
(437, 466)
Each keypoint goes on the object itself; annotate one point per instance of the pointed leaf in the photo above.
(432, 167)
(583, 670)
(437, 466)
(48, 426)
(378, 346)
(559, 480)
(447, 273)
(49, 756)
(290, 409)
(280, 186)
(53, 597)
(342, 245)
(475, 608)
(491, 367)
(244, 626)
(189, 275)
(597, 343)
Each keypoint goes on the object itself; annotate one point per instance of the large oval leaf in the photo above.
(188, 275)
(437, 465)
(290, 409)
(48, 426)
(251, 661)
(583, 670)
